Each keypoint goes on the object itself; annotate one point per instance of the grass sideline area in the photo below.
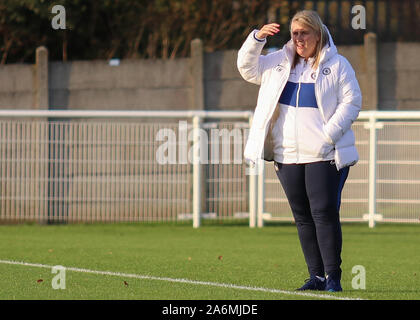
(267, 258)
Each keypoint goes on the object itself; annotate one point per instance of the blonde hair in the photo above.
(312, 20)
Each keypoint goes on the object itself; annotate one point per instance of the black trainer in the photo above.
(313, 283)
(333, 284)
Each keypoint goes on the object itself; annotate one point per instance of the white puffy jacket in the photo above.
(336, 89)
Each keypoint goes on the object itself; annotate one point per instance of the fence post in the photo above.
(261, 193)
(253, 198)
(371, 62)
(41, 102)
(251, 171)
(197, 74)
(196, 172)
(372, 125)
(41, 79)
(197, 100)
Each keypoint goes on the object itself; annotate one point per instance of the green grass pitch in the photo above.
(268, 258)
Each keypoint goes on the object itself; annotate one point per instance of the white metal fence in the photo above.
(115, 166)
(385, 183)
(93, 166)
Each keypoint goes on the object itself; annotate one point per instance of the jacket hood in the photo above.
(328, 51)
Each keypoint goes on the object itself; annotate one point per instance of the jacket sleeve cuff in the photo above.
(333, 133)
(256, 38)
(328, 138)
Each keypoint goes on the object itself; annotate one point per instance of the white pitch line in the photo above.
(187, 281)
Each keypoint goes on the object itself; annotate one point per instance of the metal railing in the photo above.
(105, 166)
(115, 166)
(383, 186)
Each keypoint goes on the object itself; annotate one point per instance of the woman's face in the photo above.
(305, 39)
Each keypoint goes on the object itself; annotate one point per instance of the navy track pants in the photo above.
(314, 194)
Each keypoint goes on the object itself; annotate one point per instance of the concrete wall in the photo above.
(17, 86)
(134, 84)
(224, 87)
(387, 73)
(399, 74)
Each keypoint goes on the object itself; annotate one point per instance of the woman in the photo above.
(308, 99)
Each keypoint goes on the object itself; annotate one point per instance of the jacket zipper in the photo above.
(297, 112)
(296, 124)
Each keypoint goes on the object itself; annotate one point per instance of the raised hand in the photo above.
(268, 30)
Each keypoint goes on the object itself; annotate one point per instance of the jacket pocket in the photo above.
(314, 146)
(312, 140)
(325, 149)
